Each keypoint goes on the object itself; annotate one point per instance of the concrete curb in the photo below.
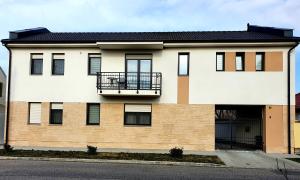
(114, 161)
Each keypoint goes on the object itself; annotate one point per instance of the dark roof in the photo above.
(252, 34)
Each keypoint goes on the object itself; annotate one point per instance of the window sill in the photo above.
(93, 124)
(34, 124)
(55, 124)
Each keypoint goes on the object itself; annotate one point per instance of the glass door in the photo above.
(138, 73)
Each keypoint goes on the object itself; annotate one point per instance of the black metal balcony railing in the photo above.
(129, 81)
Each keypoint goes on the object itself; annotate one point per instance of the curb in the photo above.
(114, 161)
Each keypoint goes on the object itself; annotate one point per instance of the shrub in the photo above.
(91, 150)
(176, 152)
(8, 148)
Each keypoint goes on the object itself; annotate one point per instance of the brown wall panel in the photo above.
(274, 61)
(250, 61)
(183, 90)
(230, 61)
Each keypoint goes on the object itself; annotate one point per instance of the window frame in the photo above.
(223, 61)
(89, 63)
(188, 64)
(50, 114)
(29, 111)
(1, 89)
(87, 113)
(263, 61)
(242, 54)
(31, 63)
(52, 65)
(150, 113)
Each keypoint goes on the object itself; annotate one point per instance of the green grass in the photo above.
(294, 159)
(113, 156)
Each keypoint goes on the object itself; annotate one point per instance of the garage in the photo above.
(238, 127)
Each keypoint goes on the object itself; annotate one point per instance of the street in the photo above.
(24, 169)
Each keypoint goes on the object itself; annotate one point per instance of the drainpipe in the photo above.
(289, 95)
(8, 95)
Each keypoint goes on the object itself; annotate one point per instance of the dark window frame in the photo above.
(52, 65)
(223, 62)
(1, 89)
(87, 113)
(50, 114)
(188, 64)
(31, 63)
(242, 54)
(138, 113)
(138, 66)
(263, 61)
(89, 63)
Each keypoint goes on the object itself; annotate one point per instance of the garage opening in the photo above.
(238, 127)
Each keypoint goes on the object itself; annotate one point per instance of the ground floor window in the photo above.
(35, 111)
(93, 114)
(298, 115)
(137, 114)
(56, 113)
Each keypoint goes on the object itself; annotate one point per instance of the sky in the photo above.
(147, 15)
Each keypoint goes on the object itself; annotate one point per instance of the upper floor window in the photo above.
(94, 64)
(240, 61)
(56, 113)
(259, 61)
(58, 64)
(220, 57)
(36, 64)
(183, 64)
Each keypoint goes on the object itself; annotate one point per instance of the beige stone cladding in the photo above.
(188, 126)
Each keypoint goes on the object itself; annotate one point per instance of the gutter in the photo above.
(289, 95)
(8, 95)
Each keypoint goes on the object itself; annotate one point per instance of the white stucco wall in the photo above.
(206, 85)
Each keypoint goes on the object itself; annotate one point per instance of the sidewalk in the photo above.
(235, 159)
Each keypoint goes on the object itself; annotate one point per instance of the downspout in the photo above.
(8, 95)
(289, 95)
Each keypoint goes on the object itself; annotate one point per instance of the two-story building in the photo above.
(200, 90)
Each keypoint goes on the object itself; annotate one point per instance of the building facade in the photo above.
(152, 90)
(2, 104)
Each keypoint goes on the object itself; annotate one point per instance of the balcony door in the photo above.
(138, 73)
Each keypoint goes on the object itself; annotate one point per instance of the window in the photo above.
(220, 61)
(298, 114)
(36, 64)
(58, 63)
(56, 113)
(93, 114)
(183, 64)
(1, 89)
(94, 64)
(35, 111)
(259, 61)
(137, 114)
(239, 62)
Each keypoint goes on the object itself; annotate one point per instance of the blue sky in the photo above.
(150, 15)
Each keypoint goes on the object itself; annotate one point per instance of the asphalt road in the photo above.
(23, 169)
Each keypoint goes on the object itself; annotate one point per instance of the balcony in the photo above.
(129, 84)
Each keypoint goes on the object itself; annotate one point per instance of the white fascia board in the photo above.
(255, 44)
(130, 45)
